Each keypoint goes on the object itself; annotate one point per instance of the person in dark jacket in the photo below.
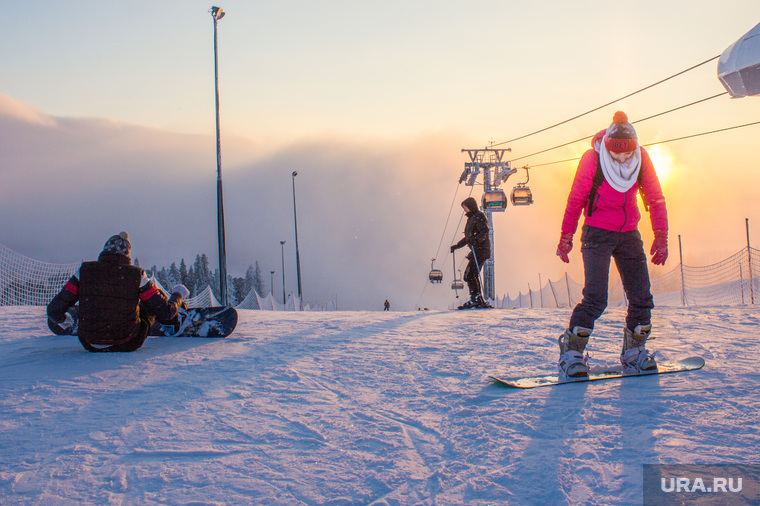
(118, 303)
(476, 237)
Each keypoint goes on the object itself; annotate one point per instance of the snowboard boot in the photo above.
(481, 302)
(635, 357)
(469, 304)
(476, 302)
(572, 361)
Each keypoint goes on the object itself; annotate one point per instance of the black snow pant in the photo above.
(134, 343)
(598, 246)
(472, 272)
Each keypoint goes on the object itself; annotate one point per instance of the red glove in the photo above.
(659, 249)
(564, 247)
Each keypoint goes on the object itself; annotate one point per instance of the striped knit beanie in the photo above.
(621, 136)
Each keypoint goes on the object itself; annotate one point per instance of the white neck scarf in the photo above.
(621, 176)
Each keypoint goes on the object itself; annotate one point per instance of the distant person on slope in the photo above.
(476, 238)
(118, 304)
(386, 305)
(604, 188)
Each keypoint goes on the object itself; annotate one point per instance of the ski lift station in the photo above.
(739, 65)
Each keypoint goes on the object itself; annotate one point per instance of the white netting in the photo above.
(204, 299)
(266, 303)
(564, 292)
(27, 282)
(250, 302)
(724, 283)
(158, 284)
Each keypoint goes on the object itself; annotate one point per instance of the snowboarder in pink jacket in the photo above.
(604, 189)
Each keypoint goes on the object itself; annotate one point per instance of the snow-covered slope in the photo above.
(367, 407)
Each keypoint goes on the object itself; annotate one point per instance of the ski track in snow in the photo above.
(367, 408)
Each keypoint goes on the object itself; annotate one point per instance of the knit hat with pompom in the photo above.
(621, 136)
(118, 244)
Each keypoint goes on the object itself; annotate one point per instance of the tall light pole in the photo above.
(282, 246)
(217, 13)
(298, 257)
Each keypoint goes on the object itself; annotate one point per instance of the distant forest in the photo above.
(198, 276)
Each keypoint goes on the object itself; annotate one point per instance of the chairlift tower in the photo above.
(489, 163)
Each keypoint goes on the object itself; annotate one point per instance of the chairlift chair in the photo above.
(494, 200)
(436, 275)
(521, 195)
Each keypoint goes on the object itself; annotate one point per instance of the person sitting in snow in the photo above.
(118, 304)
(476, 236)
(604, 188)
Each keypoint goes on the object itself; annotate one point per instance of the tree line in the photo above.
(199, 275)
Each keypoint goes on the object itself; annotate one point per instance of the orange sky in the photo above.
(373, 115)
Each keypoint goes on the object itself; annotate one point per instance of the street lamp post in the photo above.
(298, 256)
(282, 246)
(217, 13)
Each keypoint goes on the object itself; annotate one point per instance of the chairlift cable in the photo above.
(461, 217)
(703, 133)
(608, 103)
(660, 142)
(681, 107)
(632, 122)
(443, 234)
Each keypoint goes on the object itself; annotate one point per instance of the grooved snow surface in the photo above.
(367, 407)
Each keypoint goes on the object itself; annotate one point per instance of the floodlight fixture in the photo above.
(217, 13)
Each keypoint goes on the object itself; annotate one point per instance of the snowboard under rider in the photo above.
(610, 231)
(476, 237)
(118, 303)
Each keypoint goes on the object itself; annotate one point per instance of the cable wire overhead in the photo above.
(608, 103)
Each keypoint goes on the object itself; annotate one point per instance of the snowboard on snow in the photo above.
(200, 322)
(194, 322)
(687, 364)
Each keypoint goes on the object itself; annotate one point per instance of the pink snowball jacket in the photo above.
(613, 210)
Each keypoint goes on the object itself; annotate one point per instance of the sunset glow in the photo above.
(372, 103)
(663, 162)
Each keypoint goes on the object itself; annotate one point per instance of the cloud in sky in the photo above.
(371, 214)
